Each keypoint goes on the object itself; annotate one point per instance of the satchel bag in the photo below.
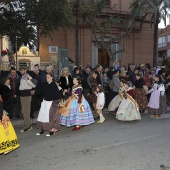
(34, 81)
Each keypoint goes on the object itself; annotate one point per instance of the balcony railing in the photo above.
(162, 45)
(5, 66)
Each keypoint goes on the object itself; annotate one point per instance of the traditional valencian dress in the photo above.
(8, 138)
(114, 104)
(157, 103)
(128, 109)
(140, 95)
(76, 110)
(49, 117)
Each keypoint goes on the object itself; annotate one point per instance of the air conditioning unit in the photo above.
(53, 49)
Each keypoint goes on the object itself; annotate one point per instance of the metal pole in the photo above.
(16, 52)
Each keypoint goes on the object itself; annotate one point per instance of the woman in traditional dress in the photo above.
(140, 93)
(49, 118)
(76, 110)
(157, 103)
(8, 138)
(114, 104)
(128, 109)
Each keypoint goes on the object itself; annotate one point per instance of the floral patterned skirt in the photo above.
(54, 118)
(141, 98)
(127, 111)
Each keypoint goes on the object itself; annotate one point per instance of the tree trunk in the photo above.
(110, 56)
(77, 41)
(155, 46)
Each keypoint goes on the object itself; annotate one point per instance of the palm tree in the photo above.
(155, 10)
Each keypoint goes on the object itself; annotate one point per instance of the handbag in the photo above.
(34, 81)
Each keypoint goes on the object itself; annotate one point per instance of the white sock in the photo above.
(101, 116)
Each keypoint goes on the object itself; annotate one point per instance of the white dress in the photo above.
(114, 104)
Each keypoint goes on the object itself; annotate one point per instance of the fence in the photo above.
(6, 66)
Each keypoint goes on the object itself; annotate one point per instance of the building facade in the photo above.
(138, 47)
(164, 43)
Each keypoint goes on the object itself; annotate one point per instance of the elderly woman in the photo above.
(66, 81)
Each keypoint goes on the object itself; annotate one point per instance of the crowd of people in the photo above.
(77, 98)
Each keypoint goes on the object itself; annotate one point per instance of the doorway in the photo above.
(103, 58)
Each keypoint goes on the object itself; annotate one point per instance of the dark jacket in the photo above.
(139, 83)
(42, 75)
(7, 97)
(63, 82)
(49, 91)
(84, 81)
(14, 83)
(167, 86)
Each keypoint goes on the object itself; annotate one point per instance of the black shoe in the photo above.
(40, 133)
(26, 129)
(50, 134)
(142, 111)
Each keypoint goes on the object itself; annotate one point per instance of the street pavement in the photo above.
(113, 145)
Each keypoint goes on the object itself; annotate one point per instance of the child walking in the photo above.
(76, 110)
(100, 102)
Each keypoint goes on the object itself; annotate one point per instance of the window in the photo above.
(53, 49)
(168, 38)
(162, 41)
(168, 53)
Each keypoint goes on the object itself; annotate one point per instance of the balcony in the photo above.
(162, 45)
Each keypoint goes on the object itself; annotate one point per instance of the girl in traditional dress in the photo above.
(100, 102)
(76, 110)
(49, 118)
(157, 103)
(140, 93)
(128, 109)
(92, 98)
(114, 104)
(8, 138)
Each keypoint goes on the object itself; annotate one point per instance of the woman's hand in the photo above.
(65, 91)
(32, 92)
